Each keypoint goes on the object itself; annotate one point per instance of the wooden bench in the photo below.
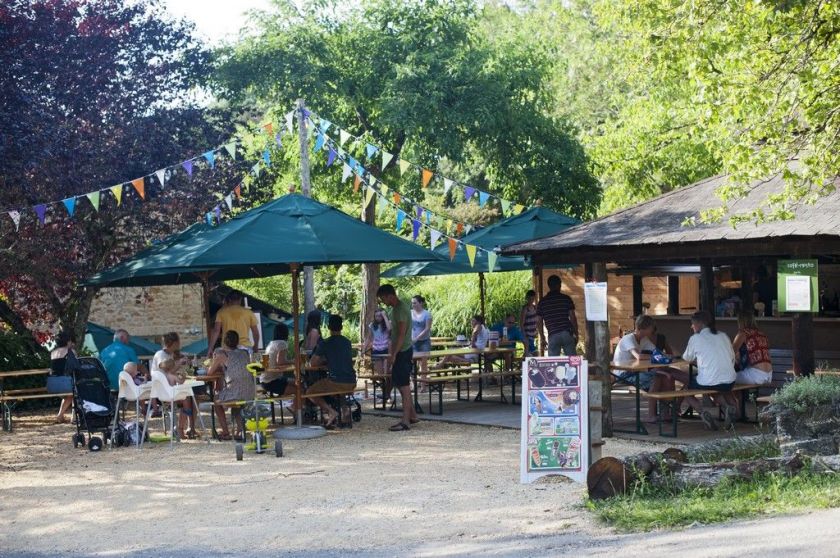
(503, 376)
(343, 403)
(11, 397)
(437, 379)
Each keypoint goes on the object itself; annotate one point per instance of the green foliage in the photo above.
(809, 392)
(649, 507)
(737, 449)
(15, 354)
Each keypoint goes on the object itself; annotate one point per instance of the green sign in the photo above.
(798, 286)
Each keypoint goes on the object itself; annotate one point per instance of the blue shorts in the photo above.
(422, 346)
(717, 387)
(645, 379)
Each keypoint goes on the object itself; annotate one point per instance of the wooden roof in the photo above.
(653, 230)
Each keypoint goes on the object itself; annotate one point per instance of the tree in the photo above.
(95, 93)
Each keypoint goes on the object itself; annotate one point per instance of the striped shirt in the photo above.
(530, 324)
(554, 309)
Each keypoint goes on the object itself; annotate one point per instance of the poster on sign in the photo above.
(555, 418)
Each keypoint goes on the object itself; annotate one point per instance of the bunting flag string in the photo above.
(427, 175)
(210, 158)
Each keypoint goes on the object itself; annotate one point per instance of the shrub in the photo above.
(808, 392)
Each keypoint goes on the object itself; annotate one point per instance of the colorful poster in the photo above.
(555, 418)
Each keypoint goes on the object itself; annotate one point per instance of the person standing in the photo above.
(557, 312)
(401, 350)
(528, 322)
(421, 330)
(235, 317)
(116, 355)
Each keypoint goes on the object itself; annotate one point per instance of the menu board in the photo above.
(555, 418)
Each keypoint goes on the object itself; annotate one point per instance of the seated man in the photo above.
(509, 332)
(116, 355)
(334, 352)
(638, 345)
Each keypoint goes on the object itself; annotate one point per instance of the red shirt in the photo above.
(758, 350)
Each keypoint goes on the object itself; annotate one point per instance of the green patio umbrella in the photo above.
(98, 337)
(278, 237)
(536, 222)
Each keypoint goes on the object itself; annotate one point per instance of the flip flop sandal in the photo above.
(225, 437)
(400, 426)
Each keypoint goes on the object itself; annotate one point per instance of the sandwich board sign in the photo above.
(555, 418)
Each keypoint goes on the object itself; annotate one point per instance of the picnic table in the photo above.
(10, 398)
(637, 367)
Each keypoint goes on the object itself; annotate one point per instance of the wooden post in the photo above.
(707, 288)
(802, 328)
(306, 188)
(638, 293)
(598, 350)
(481, 294)
(296, 338)
(673, 295)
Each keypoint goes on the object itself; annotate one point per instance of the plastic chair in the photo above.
(129, 391)
(163, 392)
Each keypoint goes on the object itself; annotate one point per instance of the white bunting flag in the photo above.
(290, 121)
(15, 215)
(435, 237)
(161, 176)
(343, 137)
(229, 201)
(386, 158)
(369, 196)
(447, 185)
(345, 174)
(404, 165)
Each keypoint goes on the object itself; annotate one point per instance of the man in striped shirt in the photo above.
(557, 311)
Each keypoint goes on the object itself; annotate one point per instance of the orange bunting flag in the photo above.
(140, 186)
(269, 129)
(453, 244)
(471, 254)
(459, 229)
(238, 191)
(426, 176)
(356, 183)
(397, 197)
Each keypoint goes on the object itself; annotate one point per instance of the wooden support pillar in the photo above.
(673, 295)
(598, 350)
(638, 294)
(802, 328)
(482, 294)
(707, 288)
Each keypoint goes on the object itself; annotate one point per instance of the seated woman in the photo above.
(171, 351)
(638, 345)
(63, 353)
(478, 340)
(712, 351)
(272, 380)
(336, 353)
(751, 344)
(238, 382)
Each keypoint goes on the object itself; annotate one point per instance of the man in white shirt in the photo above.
(712, 350)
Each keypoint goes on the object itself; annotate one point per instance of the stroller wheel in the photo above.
(240, 451)
(278, 448)
(95, 443)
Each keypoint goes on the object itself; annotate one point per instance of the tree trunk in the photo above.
(370, 277)
(598, 351)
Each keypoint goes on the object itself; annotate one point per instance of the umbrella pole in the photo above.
(205, 303)
(481, 293)
(296, 329)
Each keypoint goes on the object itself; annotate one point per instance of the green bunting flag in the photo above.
(404, 166)
(386, 158)
(94, 199)
(231, 149)
(491, 260)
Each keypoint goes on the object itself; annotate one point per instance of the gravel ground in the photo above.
(360, 491)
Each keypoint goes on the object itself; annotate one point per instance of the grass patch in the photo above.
(655, 508)
(737, 449)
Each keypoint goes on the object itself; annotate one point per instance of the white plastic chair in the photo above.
(129, 391)
(163, 392)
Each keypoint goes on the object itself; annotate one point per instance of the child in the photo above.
(176, 374)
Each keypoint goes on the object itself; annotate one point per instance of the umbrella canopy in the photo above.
(536, 222)
(262, 242)
(98, 337)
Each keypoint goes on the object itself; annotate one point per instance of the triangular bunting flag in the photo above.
(140, 186)
(117, 191)
(491, 260)
(425, 176)
(386, 158)
(449, 226)
(482, 198)
(415, 229)
(187, 167)
(218, 212)
(357, 181)
(41, 212)
(471, 254)
(325, 125)
(468, 229)
(70, 204)
(331, 157)
(256, 169)
(404, 166)
(518, 208)
(229, 201)
(319, 143)
(346, 172)
(369, 196)
(290, 121)
(418, 210)
(435, 237)
(371, 150)
(397, 197)
(231, 148)
(453, 244)
(238, 191)
(208, 217)
(161, 176)
(468, 192)
(428, 217)
(447, 185)
(278, 139)
(343, 136)
(15, 215)
(269, 128)
(505, 207)
(383, 189)
(211, 158)
(400, 217)
(459, 229)
(267, 157)
(381, 205)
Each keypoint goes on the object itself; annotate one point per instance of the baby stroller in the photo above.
(92, 403)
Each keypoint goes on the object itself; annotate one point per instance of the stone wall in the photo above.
(151, 312)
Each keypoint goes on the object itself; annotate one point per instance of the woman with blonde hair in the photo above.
(751, 345)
